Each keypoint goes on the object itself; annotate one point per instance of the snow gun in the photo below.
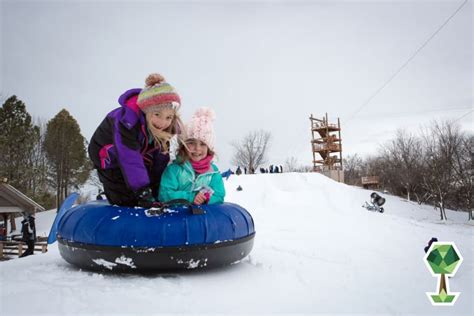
(376, 202)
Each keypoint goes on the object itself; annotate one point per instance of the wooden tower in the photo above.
(326, 147)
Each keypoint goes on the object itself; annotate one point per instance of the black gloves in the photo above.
(144, 194)
(145, 198)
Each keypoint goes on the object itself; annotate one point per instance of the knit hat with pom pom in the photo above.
(157, 94)
(200, 126)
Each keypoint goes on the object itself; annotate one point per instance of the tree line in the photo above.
(42, 160)
(434, 167)
(46, 160)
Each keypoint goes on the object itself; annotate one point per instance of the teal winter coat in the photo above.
(180, 181)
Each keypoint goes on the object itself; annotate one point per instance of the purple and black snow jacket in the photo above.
(122, 141)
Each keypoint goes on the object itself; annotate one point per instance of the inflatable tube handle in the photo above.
(195, 210)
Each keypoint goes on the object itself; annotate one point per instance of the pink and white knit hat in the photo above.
(200, 126)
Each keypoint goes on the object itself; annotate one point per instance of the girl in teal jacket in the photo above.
(193, 176)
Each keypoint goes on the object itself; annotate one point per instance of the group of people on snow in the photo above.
(271, 169)
(133, 147)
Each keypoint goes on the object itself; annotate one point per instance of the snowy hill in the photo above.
(316, 251)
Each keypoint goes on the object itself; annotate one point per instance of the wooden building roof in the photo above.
(13, 201)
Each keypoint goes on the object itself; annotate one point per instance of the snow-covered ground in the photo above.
(316, 251)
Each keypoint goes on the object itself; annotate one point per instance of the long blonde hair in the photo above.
(162, 137)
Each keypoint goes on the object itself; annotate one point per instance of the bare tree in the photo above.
(39, 162)
(251, 151)
(353, 169)
(441, 143)
(378, 166)
(435, 167)
(464, 174)
(291, 164)
(403, 155)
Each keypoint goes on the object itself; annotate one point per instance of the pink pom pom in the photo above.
(205, 113)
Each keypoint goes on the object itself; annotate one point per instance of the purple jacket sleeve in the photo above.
(130, 159)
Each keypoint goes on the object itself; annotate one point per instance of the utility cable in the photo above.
(463, 116)
(406, 62)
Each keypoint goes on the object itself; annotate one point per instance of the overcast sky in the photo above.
(259, 64)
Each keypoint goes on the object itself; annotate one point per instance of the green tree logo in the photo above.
(443, 259)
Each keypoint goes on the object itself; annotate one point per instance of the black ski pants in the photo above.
(115, 187)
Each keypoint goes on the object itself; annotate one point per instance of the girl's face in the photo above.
(162, 119)
(197, 150)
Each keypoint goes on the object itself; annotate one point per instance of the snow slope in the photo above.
(316, 251)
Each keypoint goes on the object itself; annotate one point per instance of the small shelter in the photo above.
(370, 182)
(13, 202)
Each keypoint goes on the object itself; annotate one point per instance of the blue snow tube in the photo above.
(100, 236)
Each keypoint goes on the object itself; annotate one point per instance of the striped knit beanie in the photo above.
(200, 126)
(157, 94)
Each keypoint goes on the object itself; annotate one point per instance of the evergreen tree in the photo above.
(66, 152)
(17, 140)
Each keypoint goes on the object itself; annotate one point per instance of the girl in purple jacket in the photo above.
(130, 148)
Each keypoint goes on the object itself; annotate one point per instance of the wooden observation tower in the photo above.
(327, 148)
